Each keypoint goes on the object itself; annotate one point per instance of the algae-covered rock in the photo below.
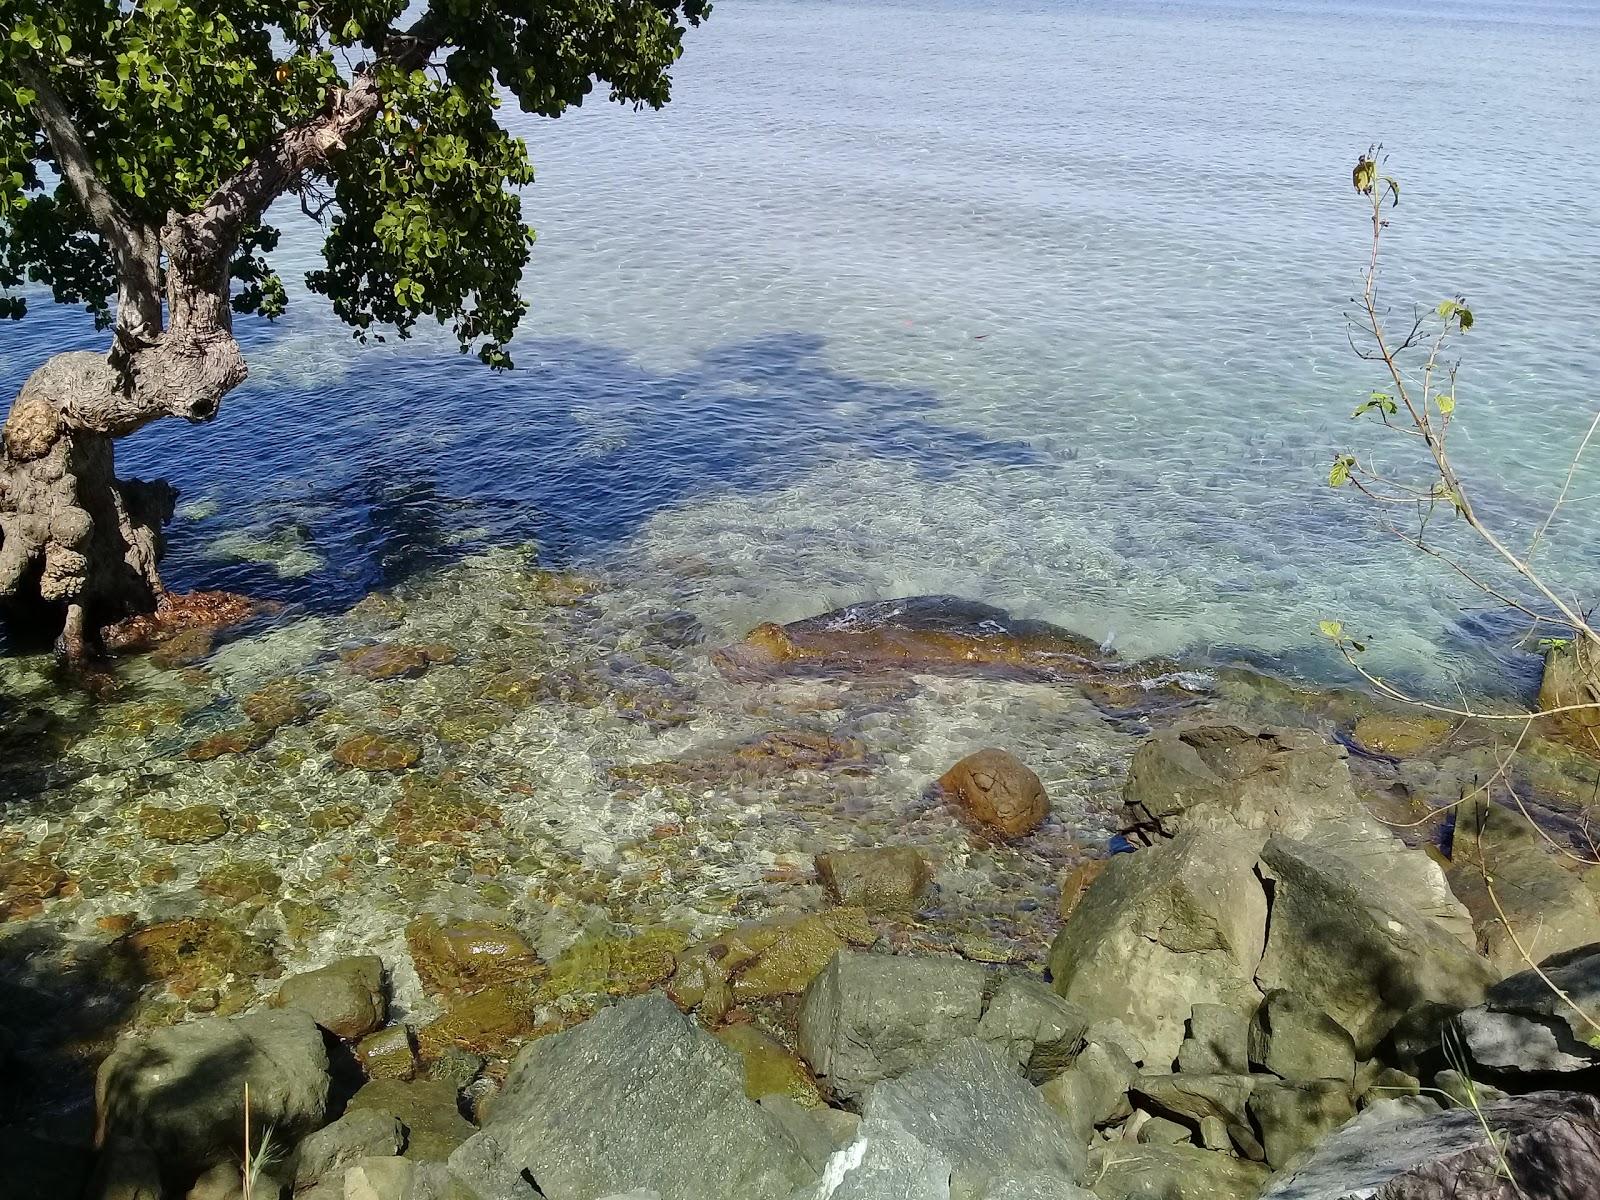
(593, 969)
(457, 955)
(388, 1054)
(1571, 679)
(778, 956)
(243, 881)
(196, 952)
(230, 741)
(493, 1020)
(393, 661)
(187, 826)
(427, 1109)
(373, 751)
(281, 702)
(770, 1068)
(1400, 735)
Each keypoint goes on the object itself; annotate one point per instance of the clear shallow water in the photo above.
(1035, 304)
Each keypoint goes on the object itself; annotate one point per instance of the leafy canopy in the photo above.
(172, 97)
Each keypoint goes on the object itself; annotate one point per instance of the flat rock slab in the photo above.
(1524, 1026)
(639, 1096)
(1551, 1143)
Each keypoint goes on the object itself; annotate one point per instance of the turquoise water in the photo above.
(1037, 304)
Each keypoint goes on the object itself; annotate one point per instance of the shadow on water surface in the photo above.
(315, 493)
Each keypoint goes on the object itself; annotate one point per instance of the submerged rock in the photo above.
(373, 751)
(229, 741)
(1570, 679)
(454, 955)
(636, 1097)
(997, 789)
(880, 879)
(394, 661)
(1400, 735)
(183, 826)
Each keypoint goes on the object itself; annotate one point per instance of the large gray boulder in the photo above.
(178, 1092)
(637, 1096)
(1296, 1040)
(1524, 1026)
(869, 1017)
(1351, 943)
(974, 1109)
(1093, 1090)
(1180, 923)
(1550, 1142)
(885, 1162)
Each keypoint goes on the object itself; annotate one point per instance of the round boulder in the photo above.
(997, 789)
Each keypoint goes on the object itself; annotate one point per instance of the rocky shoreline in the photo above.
(1272, 993)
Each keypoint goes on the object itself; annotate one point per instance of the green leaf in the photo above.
(1447, 404)
(1332, 629)
(1340, 474)
(1366, 171)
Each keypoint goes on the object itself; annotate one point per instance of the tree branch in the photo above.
(135, 248)
(241, 200)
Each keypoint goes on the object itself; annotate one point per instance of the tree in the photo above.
(141, 145)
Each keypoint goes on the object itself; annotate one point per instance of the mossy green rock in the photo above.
(388, 1054)
(345, 997)
(596, 968)
(457, 956)
(243, 882)
(770, 1069)
(427, 1109)
(183, 826)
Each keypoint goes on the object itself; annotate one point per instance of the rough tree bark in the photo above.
(78, 547)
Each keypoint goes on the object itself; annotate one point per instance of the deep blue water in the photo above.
(1040, 304)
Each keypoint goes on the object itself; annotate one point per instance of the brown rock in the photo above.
(1572, 677)
(229, 741)
(387, 661)
(880, 879)
(1076, 881)
(346, 997)
(491, 1022)
(372, 751)
(997, 789)
(456, 956)
(196, 952)
(176, 613)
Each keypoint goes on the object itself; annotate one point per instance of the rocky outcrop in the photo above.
(1178, 923)
(1550, 1142)
(1123, 1172)
(638, 1096)
(997, 789)
(969, 1105)
(1570, 679)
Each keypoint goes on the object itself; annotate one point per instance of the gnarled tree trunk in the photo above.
(77, 545)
